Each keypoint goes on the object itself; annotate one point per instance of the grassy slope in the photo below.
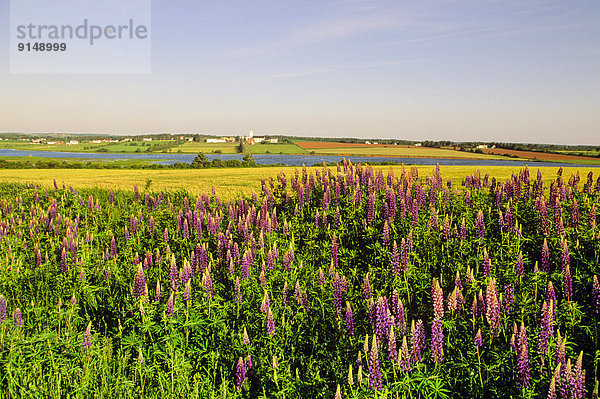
(231, 148)
(399, 151)
(229, 182)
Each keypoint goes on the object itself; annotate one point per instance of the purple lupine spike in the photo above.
(392, 350)
(166, 235)
(337, 293)
(492, 311)
(463, 230)
(568, 283)
(375, 377)
(578, 378)
(595, 295)
(349, 319)
(404, 249)
(245, 337)
(508, 298)
(523, 358)
(171, 306)
(417, 341)
(477, 340)
(395, 259)
(87, 336)
(437, 341)
(139, 283)
(382, 320)
(386, 233)
(480, 224)
(519, 267)
(486, 264)
(240, 374)
(208, 286)
(187, 291)
(237, 293)
(174, 274)
(545, 329)
(552, 389)
(334, 250)
(17, 318)
(405, 356)
(575, 214)
(438, 299)
(157, 293)
(367, 287)
(371, 208)
(592, 216)
(2, 309)
(565, 258)
(270, 323)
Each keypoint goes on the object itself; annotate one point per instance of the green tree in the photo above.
(200, 161)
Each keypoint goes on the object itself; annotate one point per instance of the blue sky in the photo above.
(524, 71)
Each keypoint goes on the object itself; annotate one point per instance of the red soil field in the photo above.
(311, 145)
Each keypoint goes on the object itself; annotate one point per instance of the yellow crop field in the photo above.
(230, 183)
(400, 151)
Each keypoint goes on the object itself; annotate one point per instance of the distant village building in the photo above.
(215, 141)
(482, 147)
(258, 140)
(37, 141)
(147, 139)
(96, 141)
(73, 142)
(274, 140)
(228, 139)
(418, 145)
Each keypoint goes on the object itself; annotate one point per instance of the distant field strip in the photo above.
(230, 183)
(390, 151)
(542, 156)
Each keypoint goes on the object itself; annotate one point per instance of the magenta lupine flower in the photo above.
(208, 286)
(395, 259)
(371, 208)
(73, 300)
(126, 234)
(405, 356)
(349, 319)
(265, 304)
(486, 264)
(337, 293)
(245, 337)
(568, 283)
(492, 312)
(321, 278)
(508, 298)
(170, 306)
(237, 293)
(519, 267)
(546, 329)
(392, 350)
(575, 214)
(367, 287)
(523, 358)
(438, 300)
(284, 294)
(552, 389)
(382, 319)
(477, 340)
(87, 336)
(474, 306)
(375, 377)
(578, 384)
(463, 230)
(480, 224)
(157, 293)
(240, 374)
(596, 295)
(2, 309)
(187, 291)
(592, 217)
(334, 250)
(166, 235)
(174, 274)
(565, 258)
(63, 261)
(270, 323)
(17, 318)
(437, 341)
(386, 233)
(139, 283)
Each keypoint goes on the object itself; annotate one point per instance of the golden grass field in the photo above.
(230, 183)
(409, 152)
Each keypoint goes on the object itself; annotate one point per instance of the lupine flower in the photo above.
(245, 338)
(87, 336)
(492, 313)
(349, 319)
(371, 208)
(187, 291)
(2, 309)
(579, 378)
(395, 259)
(270, 323)
(338, 395)
(519, 269)
(487, 264)
(392, 350)
(386, 233)
(367, 287)
(545, 257)
(438, 300)
(334, 250)
(157, 293)
(437, 341)
(508, 298)
(417, 340)
(592, 217)
(139, 283)
(404, 255)
(552, 389)
(405, 356)
(240, 374)
(17, 318)
(595, 295)
(523, 358)
(350, 376)
(477, 340)
(480, 224)
(375, 377)
(545, 329)
(565, 258)
(236, 290)
(73, 300)
(170, 306)
(463, 230)
(568, 283)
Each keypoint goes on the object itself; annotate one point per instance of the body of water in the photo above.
(268, 159)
